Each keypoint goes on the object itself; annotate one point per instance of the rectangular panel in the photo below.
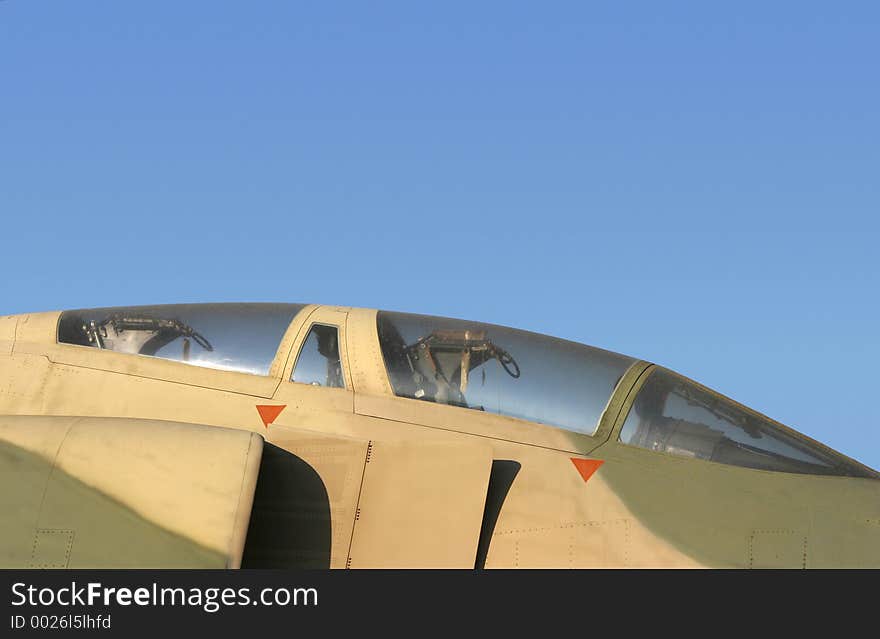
(777, 549)
(51, 548)
(590, 544)
(421, 505)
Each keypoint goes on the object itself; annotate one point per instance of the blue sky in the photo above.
(688, 183)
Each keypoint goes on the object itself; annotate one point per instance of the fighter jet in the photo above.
(303, 435)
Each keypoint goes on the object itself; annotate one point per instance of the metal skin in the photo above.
(395, 482)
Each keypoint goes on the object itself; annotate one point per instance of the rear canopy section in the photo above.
(232, 337)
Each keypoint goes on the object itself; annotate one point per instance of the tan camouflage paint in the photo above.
(99, 492)
(640, 509)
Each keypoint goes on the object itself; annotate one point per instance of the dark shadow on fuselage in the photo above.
(504, 471)
(290, 524)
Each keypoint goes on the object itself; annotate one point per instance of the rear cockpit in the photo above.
(233, 337)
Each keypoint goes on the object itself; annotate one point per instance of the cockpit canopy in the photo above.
(474, 366)
(552, 381)
(499, 370)
(673, 415)
(231, 337)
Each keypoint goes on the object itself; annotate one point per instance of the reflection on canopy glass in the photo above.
(672, 415)
(235, 337)
(499, 370)
(318, 363)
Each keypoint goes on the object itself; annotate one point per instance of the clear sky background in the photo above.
(691, 183)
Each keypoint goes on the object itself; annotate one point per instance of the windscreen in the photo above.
(673, 415)
(234, 337)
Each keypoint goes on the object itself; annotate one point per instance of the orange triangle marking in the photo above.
(270, 413)
(586, 467)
